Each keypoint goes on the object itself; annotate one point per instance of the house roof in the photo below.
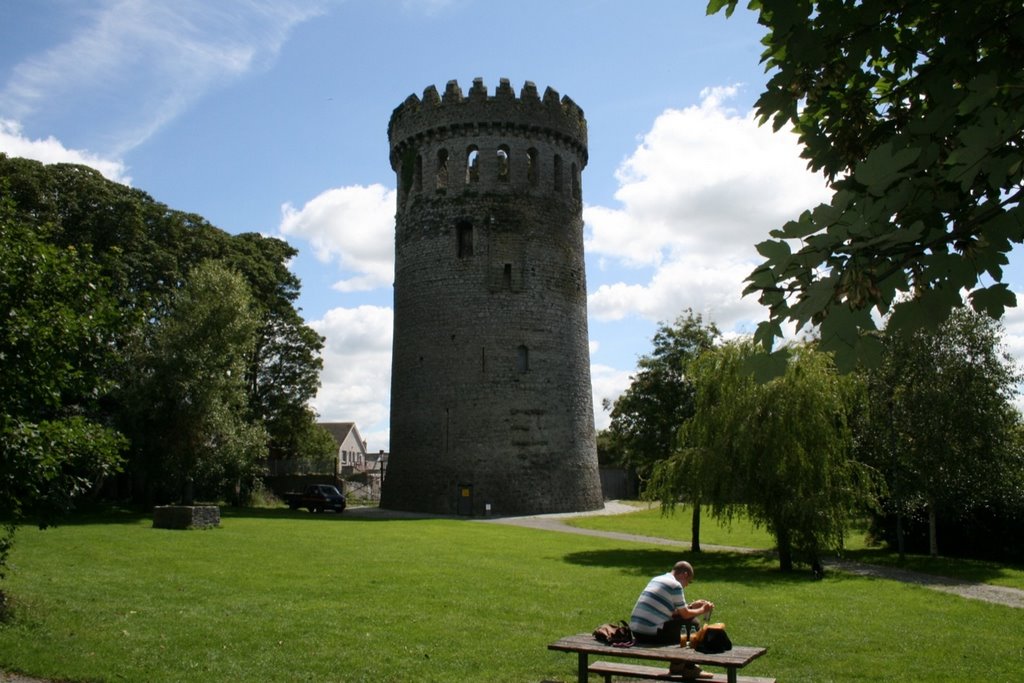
(341, 430)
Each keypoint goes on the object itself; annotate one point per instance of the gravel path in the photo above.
(1000, 595)
(18, 678)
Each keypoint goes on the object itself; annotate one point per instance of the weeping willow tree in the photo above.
(779, 452)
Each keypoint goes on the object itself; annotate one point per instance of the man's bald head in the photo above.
(683, 568)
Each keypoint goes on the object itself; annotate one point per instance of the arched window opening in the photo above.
(472, 164)
(522, 358)
(503, 153)
(531, 166)
(441, 175)
(417, 178)
(464, 239)
(558, 173)
(506, 276)
(575, 179)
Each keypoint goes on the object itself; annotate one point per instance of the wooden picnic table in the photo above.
(585, 645)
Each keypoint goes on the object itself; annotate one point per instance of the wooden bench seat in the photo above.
(655, 673)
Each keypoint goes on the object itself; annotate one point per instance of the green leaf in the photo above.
(774, 250)
(1008, 225)
(841, 333)
(815, 298)
(760, 278)
(927, 311)
(715, 6)
(767, 366)
(766, 333)
(897, 236)
(884, 166)
(993, 300)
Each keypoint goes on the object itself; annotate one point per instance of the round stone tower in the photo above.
(491, 408)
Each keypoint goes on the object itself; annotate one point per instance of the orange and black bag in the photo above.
(711, 638)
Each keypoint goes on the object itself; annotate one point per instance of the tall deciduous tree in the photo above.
(57, 326)
(193, 414)
(940, 422)
(778, 451)
(145, 251)
(646, 417)
(914, 111)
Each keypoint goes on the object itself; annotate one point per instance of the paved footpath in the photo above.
(1000, 595)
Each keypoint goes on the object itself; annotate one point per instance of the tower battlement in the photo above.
(418, 119)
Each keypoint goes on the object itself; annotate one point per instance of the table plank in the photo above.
(608, 669)
(585, 643)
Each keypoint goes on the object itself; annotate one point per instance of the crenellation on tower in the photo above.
(430, 97)
(452, 92)
(504, 91)
(491, 405)
(556, 118)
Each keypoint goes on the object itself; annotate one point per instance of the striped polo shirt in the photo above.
(655, 605)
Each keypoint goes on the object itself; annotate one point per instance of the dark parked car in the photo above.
(317, 498)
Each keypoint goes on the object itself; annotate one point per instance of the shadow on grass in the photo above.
(356, 514)
(99, 515)
(743, 568)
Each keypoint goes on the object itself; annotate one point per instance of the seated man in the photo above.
(661, 612)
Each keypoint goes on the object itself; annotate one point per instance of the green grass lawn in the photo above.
(288, 596)
(649, 520)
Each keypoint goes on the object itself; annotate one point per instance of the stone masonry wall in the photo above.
(186, 516)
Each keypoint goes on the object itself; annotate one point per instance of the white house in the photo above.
(351, 447)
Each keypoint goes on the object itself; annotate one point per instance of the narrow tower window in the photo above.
(441, 175)
(472, 164)
(506, 277)
(558, 173)
(464, 239)
(531, 166)
(417, 178)
(503, 152)
(522, 358)
(575, 180)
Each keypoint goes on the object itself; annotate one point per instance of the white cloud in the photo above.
(356, 379)
(353, 226)
(51, 151)
(709, 288)
(1013, 340)
(136, 65)
(607, 383)
(1013, 325)
(704, 186)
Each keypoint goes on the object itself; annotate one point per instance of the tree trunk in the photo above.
(933, 540)
(900, 537)
(695, 529)
(785, 550)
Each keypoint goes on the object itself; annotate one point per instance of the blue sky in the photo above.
(271, 116)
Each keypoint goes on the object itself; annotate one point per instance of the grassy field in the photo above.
(675, 524)
(275, 595)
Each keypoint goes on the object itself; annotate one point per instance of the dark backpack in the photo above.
(617, 635)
